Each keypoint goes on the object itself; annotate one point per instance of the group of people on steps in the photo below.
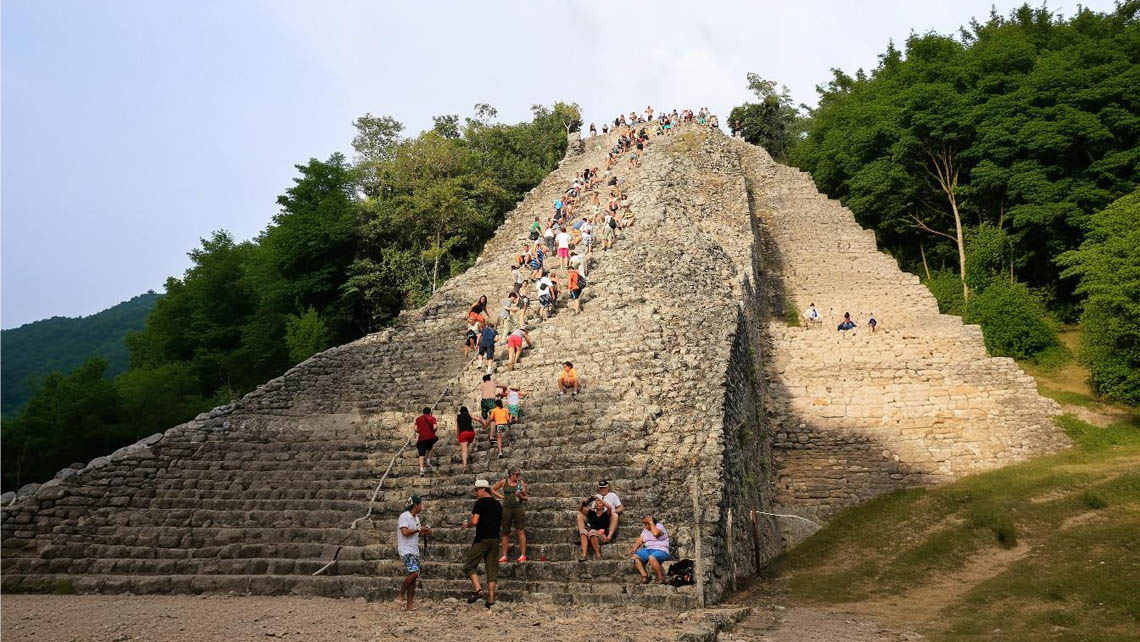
(568, 233)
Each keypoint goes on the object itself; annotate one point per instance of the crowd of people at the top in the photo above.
(592, 210)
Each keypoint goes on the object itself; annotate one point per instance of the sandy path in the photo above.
(119, 618)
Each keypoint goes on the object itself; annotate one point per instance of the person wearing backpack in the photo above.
(609, 231)
(651, 547)
(577, 283)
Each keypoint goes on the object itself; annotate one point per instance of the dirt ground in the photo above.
(121, 618)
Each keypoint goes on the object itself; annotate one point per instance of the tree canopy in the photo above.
(1029, 123)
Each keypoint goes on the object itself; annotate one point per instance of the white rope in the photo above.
(792, 517)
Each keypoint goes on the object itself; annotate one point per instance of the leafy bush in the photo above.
(1013, 320)
(946, 287)
(1108, 264)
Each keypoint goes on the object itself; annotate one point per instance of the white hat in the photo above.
(482, 483)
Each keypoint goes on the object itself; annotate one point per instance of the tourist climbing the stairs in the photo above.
(486, 519)
(465, 433)
(514, 493)
(514, 402)
(477, 311)
(408, 531)
(563, 240)
(487, 346)
(498, 421)
(425, 438)
(488, 392)
(471, 342)
(577, 283)
(515, 344)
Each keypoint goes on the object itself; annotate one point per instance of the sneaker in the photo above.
(421, 472)
(500, 455)
(522, 558)
(561, 393)
(489, 604)
(502, 559)
(474, 597)
(574, 394)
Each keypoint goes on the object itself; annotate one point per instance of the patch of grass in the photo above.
(1093, 499)
(791, 313)
(1074, 580)
(1068, 398)
(63, 587)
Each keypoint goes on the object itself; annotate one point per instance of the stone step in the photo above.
(679, 598)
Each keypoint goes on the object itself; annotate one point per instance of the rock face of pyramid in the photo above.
(699, 405)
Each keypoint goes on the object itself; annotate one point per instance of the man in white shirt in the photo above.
(408, 533)
(563, 241)
(609, 496)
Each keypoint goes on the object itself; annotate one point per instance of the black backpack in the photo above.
(613, 223)
(680, 573)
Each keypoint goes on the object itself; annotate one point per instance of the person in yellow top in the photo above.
(568, 379)
(499, 420)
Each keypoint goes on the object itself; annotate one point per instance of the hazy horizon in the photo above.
(130, 130)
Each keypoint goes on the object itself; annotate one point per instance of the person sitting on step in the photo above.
(812, 316)
(652, 548)
(847, 323)
(596, 522)
(568, 380)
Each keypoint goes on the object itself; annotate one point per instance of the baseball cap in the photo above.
(605, 483)
(482, 483)
(413, 500)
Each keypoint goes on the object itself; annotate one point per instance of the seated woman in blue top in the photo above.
(651, 547)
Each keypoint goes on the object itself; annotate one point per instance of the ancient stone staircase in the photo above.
(256, 497)
(857, 413)
(691, 392)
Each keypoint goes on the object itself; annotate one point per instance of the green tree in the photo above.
(68, 417)
(772, 123)
(306, 334)
(1108, 266)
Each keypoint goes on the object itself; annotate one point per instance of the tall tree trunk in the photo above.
(925, 267)
(947, 176)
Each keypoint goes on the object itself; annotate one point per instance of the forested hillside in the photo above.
(354, 242)
(61, 343)
(980, 160)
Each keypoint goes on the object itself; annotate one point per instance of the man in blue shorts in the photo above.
(408, 531)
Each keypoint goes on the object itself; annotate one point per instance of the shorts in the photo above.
(545, 300)
(514, 517)
(514, 341)
(587, 240)
(564, 252)
(574, 294)
(487, 351)
(644, 554)
(500, 428)
(422, 447)
(608, 233)
(411, 563)
(535, 265)
(486, 406)
(486, 551)
(514, 409)
(472, 338)
(467, 436)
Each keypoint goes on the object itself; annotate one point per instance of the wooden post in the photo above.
(756, 541)
(697, 538)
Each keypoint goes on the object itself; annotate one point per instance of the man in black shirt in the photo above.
(486, 519)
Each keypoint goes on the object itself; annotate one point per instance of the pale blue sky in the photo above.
(131, 128)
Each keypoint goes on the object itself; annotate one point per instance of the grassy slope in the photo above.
(1045, 549)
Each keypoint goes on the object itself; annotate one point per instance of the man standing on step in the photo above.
(488, 392)
(486, 519)
(408, 532)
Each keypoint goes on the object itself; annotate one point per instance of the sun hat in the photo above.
(482, 483)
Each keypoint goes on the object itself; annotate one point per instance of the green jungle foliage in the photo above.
(1108, 264)
(33, 350)
(1028, 123)
(352, 245)
(772, 123)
